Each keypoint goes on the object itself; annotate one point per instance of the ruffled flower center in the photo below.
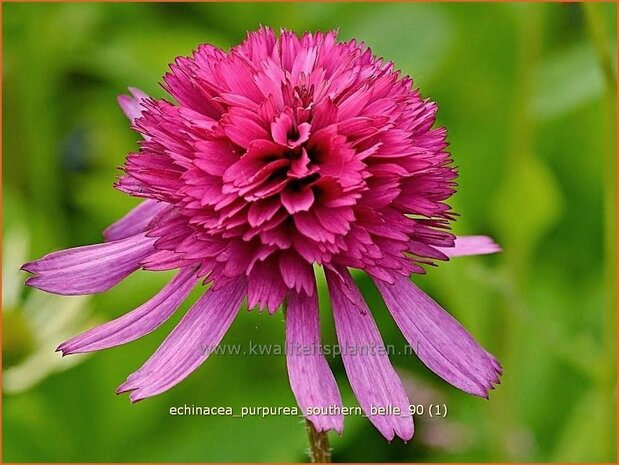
(301, 151)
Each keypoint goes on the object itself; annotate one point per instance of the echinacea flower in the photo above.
(281, 154)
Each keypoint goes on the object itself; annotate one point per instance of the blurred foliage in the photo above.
(525, 92)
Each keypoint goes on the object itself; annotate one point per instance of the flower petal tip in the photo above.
(407, 434)
(131, 105)
(136, 397)
(137, 93)
(404, 432)
(63, 346)
(134, 393)
(62, 350)
(330, 423)
(472, 245)
(32, 281)
(124, 388)
(123, 99)
(68, 350)
(28, 267)
(490, 385)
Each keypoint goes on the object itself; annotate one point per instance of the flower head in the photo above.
(281, 154)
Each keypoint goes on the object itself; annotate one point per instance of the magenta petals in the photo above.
(311, 378)
(134, 222)
(189, 344)
(88, 269)
(297, 145)
(438, 339)
(471, 245)
(137, 323)
(372, 377)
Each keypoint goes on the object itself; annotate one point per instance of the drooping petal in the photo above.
(131, 105)
(190, 343)
(372, 377)
(134, 222)
(137, 323)
(311, 378)
(296, 272)
(438, 339)
(266, 287)
(471, 245)
(89, 269)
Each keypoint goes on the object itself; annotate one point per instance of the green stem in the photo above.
(319, 451)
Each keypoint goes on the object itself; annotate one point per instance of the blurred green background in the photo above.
(527, 92)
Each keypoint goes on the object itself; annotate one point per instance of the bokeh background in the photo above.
(528, 94)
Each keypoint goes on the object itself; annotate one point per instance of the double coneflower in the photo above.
(281, 154)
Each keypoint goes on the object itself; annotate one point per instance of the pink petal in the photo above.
(283, 128)
(89, 269)
(471, 245)
(137, 323)
(311, 378)
(280, 128)
(309, 226)
(266, 288)
(299, 167)
(297, 273)
(325, 113)
(134, 222)
(262, 210)
(297, 201)
(241, 127)
(164, 260)
(132, 105)
(190, 343)
(438, 339)
(336, 220)
(372, 378)
(215, 156)
(262, 158)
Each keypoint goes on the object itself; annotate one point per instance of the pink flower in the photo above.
(282, 154)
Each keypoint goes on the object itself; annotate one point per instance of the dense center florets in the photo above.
(290, 151)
